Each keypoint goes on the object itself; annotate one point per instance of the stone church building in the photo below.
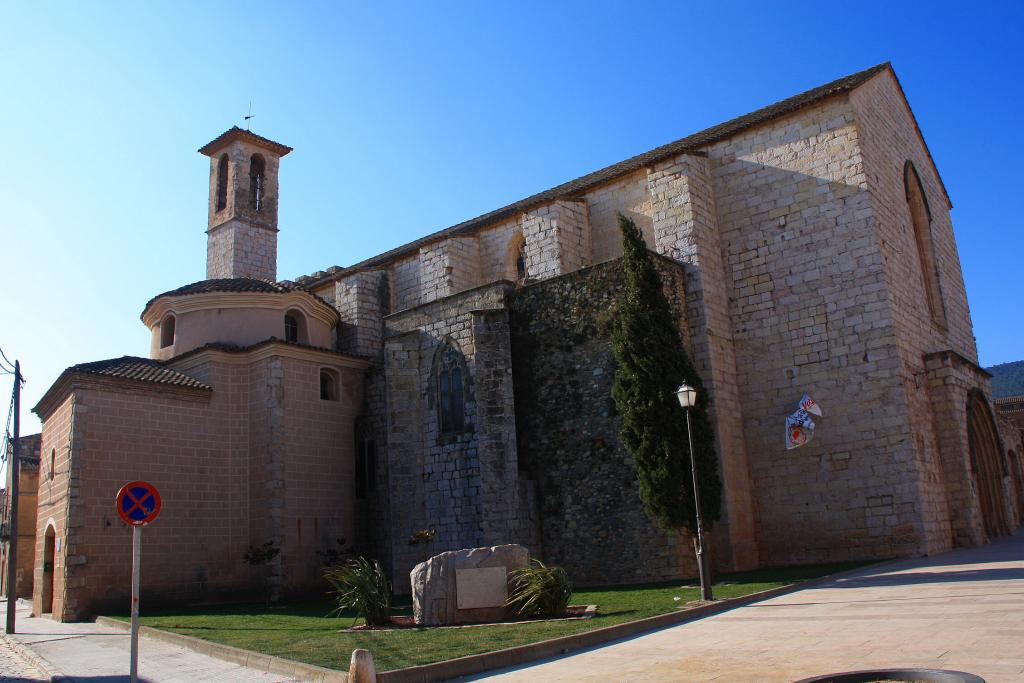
(456, 391)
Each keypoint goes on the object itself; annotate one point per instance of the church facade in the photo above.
(456, 391)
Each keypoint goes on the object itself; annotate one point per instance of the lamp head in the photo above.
(687, 395)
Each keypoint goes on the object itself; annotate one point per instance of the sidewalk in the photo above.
(963, 610)
(90, 653)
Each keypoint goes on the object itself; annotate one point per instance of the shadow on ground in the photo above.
(914, 578)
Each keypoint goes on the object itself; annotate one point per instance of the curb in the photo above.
(34, 658)
(236, 655)
(532, 652)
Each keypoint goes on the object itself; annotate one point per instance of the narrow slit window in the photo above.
(328, 386)
(222, 182)
(257, 182)
(167, 332)
(921, 219)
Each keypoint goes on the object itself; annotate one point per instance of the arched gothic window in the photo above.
(451, 400)
(921, 217)
(222, 182)
(257, 181)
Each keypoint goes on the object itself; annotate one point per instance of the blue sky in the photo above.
(410, 117)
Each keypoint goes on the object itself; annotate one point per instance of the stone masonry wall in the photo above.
(627, 195)
(357, 299)
(949, 380)
(557, 239)
(889, 139)
(238, 249)
(592, 519)
(810, 314)
(461, 485)
(686, 229)
(448, 266)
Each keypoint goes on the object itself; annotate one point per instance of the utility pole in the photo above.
(12, 532)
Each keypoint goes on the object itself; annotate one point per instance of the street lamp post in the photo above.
(687, 396)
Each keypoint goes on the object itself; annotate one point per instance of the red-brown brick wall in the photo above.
(209, 454)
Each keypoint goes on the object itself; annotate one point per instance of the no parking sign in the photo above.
(138, 504)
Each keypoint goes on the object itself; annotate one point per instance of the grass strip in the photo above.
(302, 630)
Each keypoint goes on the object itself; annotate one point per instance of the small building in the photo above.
(28, 480)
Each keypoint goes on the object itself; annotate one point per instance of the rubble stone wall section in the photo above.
(592, 520)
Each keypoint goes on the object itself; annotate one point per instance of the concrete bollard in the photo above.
(361, 668)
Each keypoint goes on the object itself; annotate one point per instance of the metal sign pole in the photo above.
(138, 504)
(136, 562)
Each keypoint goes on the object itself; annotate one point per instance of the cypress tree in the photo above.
(651, 364)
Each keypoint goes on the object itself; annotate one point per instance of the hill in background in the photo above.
(1007, 379)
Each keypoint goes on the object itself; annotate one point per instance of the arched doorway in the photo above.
(48, 554)
(987, 465)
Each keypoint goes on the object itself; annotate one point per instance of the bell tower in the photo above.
(242, 224)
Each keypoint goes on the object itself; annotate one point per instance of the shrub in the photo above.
(540, 590)
(262, 555)
(361, 585)
(332, 556)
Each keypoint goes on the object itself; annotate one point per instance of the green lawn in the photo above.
(301, 631)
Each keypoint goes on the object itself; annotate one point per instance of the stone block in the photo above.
(450, 588)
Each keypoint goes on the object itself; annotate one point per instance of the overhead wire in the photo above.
(6, 359)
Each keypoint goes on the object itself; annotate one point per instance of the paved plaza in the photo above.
(92, 653)
(15, 668)
(962, 610)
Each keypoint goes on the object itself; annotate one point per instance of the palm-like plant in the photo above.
(361, 585)
(540, 590)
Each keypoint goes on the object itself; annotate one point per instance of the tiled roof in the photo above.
(138, 369)
(233, 284)
(691, 143)
(236, 133)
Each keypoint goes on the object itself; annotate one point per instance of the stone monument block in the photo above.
(465, 586)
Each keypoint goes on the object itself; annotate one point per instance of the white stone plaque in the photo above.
(485, 587)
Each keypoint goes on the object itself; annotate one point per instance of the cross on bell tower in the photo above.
(242, 224)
